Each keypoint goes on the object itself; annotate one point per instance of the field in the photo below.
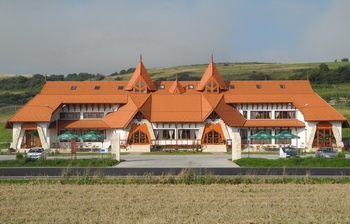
(245, 203)
(232, 71)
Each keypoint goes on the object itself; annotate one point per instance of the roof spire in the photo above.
(212, 58)
(140, 57)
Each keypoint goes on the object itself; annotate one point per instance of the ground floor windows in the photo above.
(31, 139)
(324, 135)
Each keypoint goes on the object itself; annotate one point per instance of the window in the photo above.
(161, 87)
(232, 86)
(324, 135)
(93, 115)
(284, 114)
(120, 87)
(97, 88)
(245, 114)
(168, 134)
(184, 134)
(258, 86)
(70, 116)
(140, 87)
(287, 141)
(282, 86)
(73, 87)
(190, 86)
(212, 86)
(260, 115)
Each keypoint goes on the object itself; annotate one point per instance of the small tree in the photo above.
(344, 59)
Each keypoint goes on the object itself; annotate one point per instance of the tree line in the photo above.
(324, 75)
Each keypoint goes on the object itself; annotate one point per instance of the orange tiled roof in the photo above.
(80, 124)
(179, 108)
(229, 115)
(274, 123)
(140, 71)
(41, 107)
(122, 117)
(176, 88)
(162, 106)
(211, 72)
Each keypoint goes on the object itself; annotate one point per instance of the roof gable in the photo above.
(176, 87)
(211, 73)
(140, 74)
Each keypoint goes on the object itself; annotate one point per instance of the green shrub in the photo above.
(341, 155)
(19, 156)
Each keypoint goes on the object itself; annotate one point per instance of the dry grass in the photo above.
(255, 203)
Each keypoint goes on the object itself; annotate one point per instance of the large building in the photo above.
(210, 114)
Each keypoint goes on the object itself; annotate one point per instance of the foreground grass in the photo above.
(294, 162)
(86, 154)
(176, 153)
(155, 203)
(95, 162)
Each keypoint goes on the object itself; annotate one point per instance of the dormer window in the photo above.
(140, 87)
(120, 87)
(161, 87)
(282, 86)
(97, 88)
(190, 86)
(212, 86)
(232, 86)
(73, 87)
(258, 86)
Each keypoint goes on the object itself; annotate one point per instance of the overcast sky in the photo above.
(67, 36)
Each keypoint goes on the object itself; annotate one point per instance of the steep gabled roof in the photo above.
(140, 73)
(229, 115)
(211, 73)
(176, 87)
(122, 117)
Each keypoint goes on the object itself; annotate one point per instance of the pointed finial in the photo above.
(140, 57)
(212, 58)
(176, 78)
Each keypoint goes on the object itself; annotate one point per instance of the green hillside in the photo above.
(233, 71)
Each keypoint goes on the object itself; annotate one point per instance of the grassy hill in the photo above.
(232, 71)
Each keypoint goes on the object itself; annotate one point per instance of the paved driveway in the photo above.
(176, 161)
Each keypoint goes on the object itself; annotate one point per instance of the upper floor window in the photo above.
(93, 115)
(140, 87)
(260, 115)
(70, 116)
(120, 87)
(212, 87)
(232, 86)
(97, 88)
(191, 86)
(285, 114)
(161, 87)
(258, 86)
(73, 87)
(245, 114)
(282, 86)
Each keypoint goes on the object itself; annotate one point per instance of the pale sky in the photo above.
(72, 36)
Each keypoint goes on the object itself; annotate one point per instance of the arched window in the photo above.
(139, 137)
(324, 135)
(212, 137)
(140, 87)
(212, 86)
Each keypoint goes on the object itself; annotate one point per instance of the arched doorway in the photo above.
(139, 135)
(324, 135)
(213, 134)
